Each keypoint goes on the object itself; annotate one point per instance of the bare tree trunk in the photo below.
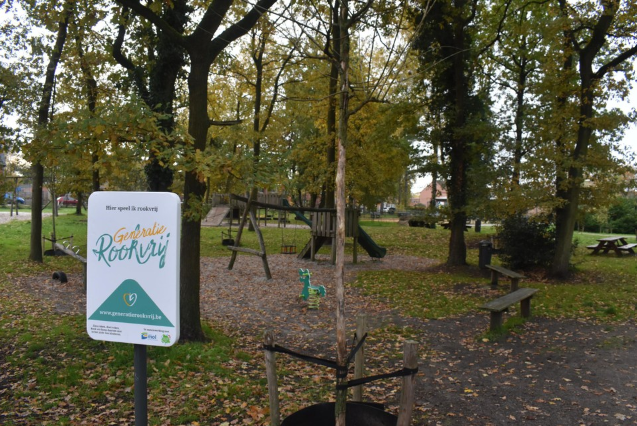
(341, 340)
(329, 201)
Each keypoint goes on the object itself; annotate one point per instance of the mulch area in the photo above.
(551, 372)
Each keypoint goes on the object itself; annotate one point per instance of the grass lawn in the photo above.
(53, 373)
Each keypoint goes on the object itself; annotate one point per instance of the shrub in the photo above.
(622, 216)
(526, 242)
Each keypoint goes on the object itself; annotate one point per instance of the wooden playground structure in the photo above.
(322, 223)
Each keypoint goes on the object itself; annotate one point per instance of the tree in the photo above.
(517, 61)
(601, 40)
(446, 45)
(156, 82)
(202, 47)
(43, 118)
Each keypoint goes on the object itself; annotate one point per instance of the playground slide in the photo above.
(299, 215)
(370, 246)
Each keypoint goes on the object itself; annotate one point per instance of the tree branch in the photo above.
(615, 62)
(152, 17)
(137, 72)
(225, 123)
(238, 29)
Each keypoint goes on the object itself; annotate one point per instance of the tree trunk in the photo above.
(341, 339)
(458, 158)
(434, 177)
(80, 202)
(43, 119)
(194, 191)
(91, 96)
(519, 119)
(329, 202)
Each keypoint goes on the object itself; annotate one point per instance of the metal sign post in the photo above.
(141, 382)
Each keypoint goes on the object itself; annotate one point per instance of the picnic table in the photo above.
(618, 244)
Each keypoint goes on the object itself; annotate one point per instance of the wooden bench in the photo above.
(498, 306)
(514, 276)
(628, 248)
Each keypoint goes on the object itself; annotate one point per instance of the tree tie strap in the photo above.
(357, 382)
(320, 361)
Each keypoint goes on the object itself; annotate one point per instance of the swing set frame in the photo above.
(249, 215)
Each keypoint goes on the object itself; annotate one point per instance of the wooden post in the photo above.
(525, 307)
(494, 279)
(515, 283)
(410, 360)
(359, 359)
(270, 371)
(496, 321)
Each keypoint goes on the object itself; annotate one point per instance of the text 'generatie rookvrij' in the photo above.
(126, 244)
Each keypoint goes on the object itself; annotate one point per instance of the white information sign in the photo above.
(132, 293)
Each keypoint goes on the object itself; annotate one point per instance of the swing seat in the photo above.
(288, 249)
(226, 238)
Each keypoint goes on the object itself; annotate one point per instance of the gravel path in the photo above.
(21, 215)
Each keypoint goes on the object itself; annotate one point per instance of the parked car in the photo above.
(9, 196)
(66, 200)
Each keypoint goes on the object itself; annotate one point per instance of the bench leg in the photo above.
(515, 282)
(525, 307)
(494, 279)
(496, 321)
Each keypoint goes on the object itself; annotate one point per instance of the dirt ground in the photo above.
(551, 372)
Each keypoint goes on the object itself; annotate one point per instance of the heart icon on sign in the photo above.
(130, 298)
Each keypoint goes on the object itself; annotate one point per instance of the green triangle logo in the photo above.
(129, 303)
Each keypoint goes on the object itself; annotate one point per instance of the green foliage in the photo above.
(622, 215)
(526, 242)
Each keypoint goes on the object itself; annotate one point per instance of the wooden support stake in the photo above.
(273, 387)
(359, 358)
(264, 257)
(410, 360)
(355, 251)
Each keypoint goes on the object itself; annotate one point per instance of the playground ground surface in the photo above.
(546, 372)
